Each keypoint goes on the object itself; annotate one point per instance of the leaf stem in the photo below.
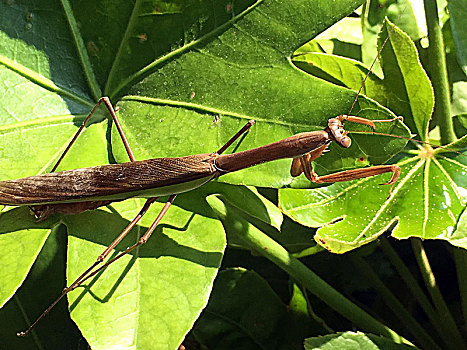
(436, 296)
(417, 292)
(420, 334)
(438, 73)
(259, 242)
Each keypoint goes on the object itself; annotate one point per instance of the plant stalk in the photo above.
(414, 287)
(436, 296)
(261, 243)
(460, 257)
(420, 334)
(439, 75)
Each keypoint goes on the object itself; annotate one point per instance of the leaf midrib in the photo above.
(136, 76)
(22, 125)
(43, 81)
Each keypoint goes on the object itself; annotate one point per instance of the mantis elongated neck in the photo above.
(291, 147)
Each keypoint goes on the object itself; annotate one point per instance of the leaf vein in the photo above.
(390, 198)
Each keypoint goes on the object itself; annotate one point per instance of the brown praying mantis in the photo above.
(74, 191)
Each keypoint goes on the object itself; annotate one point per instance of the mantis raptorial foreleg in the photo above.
(304, 164)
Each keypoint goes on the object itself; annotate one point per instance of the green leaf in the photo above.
(455, 146)
(152, 296)
(303, 320)
(343, 71)
(426, 202)
(355, 340)
(403, 13)
(249, 200)
(244, 312)
(406, 80)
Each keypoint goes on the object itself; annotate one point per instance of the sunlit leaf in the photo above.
(429, 196)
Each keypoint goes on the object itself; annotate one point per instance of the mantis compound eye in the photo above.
(345, 141)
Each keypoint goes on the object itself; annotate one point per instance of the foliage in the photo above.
(185, 77)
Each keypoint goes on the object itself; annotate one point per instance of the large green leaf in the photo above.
(430, 195)
(426, 203)
(186, 76)
(152, 296)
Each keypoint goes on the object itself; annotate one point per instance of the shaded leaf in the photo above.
(20, 241)
(457, 14)
(48, 270)
(244, 312)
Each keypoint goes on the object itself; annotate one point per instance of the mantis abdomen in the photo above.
(147, 178)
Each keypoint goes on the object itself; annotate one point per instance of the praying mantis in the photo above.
(299, 166)
(75, 191)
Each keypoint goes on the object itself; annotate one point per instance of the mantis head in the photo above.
(337, 131)
(338, 134)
